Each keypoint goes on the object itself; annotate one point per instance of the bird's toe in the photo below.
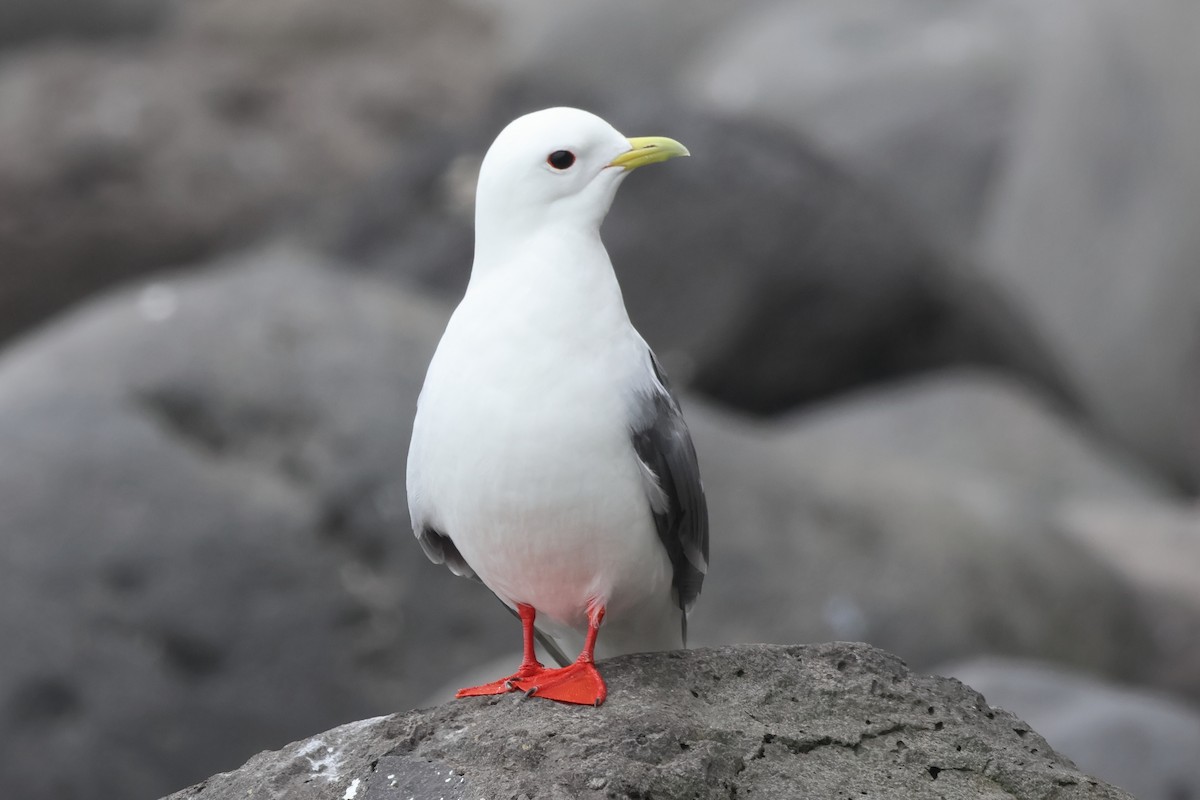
(580, 684)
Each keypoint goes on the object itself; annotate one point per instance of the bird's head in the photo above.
(558, 167)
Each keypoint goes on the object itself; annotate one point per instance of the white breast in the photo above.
(521, 451)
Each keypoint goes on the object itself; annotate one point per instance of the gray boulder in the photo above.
(1155, 546)
(1094, 229)
(973, 429)
(27, 22)
(120, 160)
(923, 519)
(817, 721)
(919, 98)
(1143, 742)
(627, 44)
(205, 547)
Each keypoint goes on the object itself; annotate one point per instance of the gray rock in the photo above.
(205, 546)
(818, 721)
(296, 27)
(632, 45)
(763, 276)
(1143, 742)
(920, 98)
(117, 161)
(1155, 547)
(1156, 544)
(923, 519)
(25, 22)
(975, 429)
(1094, 228)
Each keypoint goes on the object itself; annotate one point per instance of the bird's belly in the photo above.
(547, 505)
(561, 560)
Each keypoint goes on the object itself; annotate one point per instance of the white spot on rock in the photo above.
(321, 758)
(352, 789)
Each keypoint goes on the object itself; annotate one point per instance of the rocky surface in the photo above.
(1144, 742)
(818, 721)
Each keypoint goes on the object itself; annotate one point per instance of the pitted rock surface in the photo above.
(829, 720)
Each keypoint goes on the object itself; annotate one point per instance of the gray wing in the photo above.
(668, 459)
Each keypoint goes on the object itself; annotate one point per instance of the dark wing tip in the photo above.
(664, 446)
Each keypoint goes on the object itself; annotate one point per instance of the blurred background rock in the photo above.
(930, 287)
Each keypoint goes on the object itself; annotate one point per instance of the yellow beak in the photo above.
(649, 150)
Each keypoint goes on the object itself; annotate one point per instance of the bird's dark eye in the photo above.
(561, 159)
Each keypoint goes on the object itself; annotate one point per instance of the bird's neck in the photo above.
(506, 228)
(545, 252)
(562, 273)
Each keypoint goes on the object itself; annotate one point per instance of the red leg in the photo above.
(578, 683)
(530, 667)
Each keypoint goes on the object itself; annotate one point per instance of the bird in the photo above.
(549, 456)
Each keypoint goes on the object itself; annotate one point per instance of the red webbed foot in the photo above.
(579, 683)
(530, 667)
(512, 683)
